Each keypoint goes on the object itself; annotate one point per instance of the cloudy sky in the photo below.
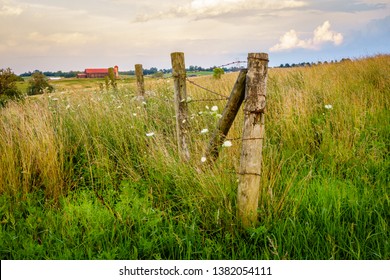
(52, 35)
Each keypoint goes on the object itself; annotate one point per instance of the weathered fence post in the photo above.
(252, 138)
(139, 73)
(181, 107)
(228, 115)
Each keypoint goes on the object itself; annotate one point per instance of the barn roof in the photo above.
(96, 70)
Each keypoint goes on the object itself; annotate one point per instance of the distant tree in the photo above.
(39, 84)
(346, 60)
(218, 72)
(158, 74)
(150, 71)
(8, 88)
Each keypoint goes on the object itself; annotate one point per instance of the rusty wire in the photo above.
(206, 89)
(224, 97)
(234, 62)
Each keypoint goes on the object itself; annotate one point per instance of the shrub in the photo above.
(218, 72)
(8, 89)
(39, 84)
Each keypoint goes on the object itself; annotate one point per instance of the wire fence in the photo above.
(223, 97)
(231, 63)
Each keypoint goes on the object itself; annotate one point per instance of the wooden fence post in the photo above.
(252, 138)
(181, 107)
(139, 73)
(228, 115)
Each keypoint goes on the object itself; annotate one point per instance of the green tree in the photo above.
(39, 84)
(218, 72)
(8, 88)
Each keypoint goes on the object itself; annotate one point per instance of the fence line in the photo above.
(249, 89)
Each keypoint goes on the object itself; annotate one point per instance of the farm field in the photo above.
(90, 173)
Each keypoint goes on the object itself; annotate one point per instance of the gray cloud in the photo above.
(204, 9)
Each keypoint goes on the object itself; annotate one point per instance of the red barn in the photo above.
(97, 73)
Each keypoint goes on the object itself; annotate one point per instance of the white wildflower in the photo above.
(203, 159)
(214, 108)
(227, 144)
(328, 107)
(150, 134)
(204, 131)
(207, 107)
(134, 114)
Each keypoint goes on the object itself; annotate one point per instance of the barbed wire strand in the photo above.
(206, 100)
(234, 62)
(245, 139)
(211, 91)
(206, 89)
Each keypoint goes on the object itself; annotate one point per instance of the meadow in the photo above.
(90, 173)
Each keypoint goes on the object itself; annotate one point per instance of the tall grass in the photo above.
(80, 178)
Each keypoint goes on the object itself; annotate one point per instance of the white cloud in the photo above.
(322, 34)
(8, 8)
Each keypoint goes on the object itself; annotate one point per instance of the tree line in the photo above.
(306, 64)
(150, 71)
(38, 84)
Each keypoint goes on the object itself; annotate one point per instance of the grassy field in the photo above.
(94, 174)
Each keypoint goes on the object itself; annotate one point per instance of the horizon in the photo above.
(102, 33)
(282, 65)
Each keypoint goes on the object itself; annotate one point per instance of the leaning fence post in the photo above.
(139, 73)
(228, 115)
(181, 107)
(252, 138)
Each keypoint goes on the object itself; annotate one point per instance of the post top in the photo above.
(259, 56)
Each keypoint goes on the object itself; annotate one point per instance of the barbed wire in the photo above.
(207, 100)
(206, 89)
(224, 97)
(211, 91)
(234, 62)
(245, 139)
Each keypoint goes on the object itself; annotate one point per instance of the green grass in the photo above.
(81, 180)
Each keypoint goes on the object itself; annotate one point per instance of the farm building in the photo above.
(97, 73)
